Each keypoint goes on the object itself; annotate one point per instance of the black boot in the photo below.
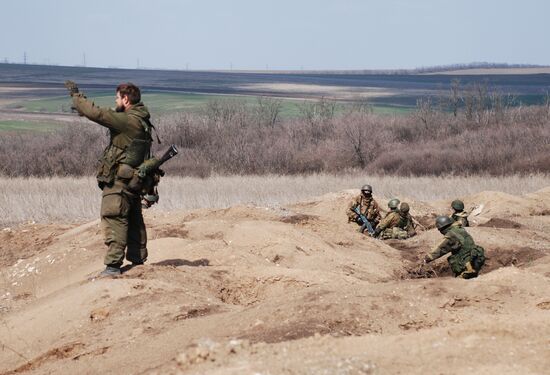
(110, 271)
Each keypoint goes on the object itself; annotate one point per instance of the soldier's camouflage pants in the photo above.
(394, 233)
(123, 226)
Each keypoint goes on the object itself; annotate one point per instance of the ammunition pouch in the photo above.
(136, 152)
(478, 257)
(145, 179)
(125, 172)
(114, 203)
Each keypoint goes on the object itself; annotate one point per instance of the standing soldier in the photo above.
(367, 206)
(459, 216)
(130, 143)
(466, 258)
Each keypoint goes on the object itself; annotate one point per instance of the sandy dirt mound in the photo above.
(291, 290)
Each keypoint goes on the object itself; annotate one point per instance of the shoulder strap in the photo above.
(147, 125)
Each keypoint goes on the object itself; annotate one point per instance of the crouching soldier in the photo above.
(459, 216)
(393, 224)
(366, 205)
(466, 258)
(406, 220)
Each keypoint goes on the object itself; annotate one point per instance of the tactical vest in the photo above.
(464, 253)
(403, 221)
(123, 150)
(365, 204)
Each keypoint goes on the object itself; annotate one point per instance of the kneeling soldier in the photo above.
(367, 206)
(466, 258)
(392, 226)
(406, 223)
(459, 216)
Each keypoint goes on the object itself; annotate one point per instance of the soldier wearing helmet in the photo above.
(396, 223)
(459, 216)
(367, 206)
(466, 258)
(407, 222)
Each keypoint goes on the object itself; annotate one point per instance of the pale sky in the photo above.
(281, 34)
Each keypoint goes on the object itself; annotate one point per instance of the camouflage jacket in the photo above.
(406, 223)
(460, 219)
(130, 136)
(457, 242)
(367, 206)
(392, 219)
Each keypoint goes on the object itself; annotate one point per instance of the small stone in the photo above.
(100, 314)
(182, 359)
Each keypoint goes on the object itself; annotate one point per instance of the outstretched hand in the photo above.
(71, 87)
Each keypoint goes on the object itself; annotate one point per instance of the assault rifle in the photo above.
(365, 223)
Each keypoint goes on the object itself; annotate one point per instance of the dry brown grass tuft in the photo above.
(77, 199)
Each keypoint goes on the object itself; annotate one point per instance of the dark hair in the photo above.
(131, 91)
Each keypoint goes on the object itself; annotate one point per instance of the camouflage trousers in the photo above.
(123, 226)
(394, 233)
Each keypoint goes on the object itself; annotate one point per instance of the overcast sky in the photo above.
(275, 34)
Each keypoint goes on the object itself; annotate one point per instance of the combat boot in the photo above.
(469, 273)
(110, 271)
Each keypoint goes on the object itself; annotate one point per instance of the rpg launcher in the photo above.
(148, 174)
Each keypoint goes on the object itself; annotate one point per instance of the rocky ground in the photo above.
(297, 290)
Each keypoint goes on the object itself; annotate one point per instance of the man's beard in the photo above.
(120, 108)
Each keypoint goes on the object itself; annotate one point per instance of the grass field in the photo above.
(157, 102)
(77, 199)
(22, 125)
(161, 102)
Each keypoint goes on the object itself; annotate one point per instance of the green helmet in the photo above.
(457, 205)
(404, 208)
(393, 203)
(366, 189)
(442, 222)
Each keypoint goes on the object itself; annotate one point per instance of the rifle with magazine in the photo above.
(365, 223)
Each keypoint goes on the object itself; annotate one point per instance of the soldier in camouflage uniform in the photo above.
(466, 258)
(397, 222)
(367, 206)
(130, 142)
(459, 216)
(407, 222)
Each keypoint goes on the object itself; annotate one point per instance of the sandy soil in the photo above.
(297, 290)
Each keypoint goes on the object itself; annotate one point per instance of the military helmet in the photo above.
(457, 205)
(404, 207)
(393, 203)
(442, 222)
(366, 188)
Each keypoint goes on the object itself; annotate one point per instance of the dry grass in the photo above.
(77, 199)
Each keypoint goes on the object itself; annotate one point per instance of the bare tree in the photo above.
(268, 110)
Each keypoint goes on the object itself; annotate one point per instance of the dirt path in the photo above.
(252, 290)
